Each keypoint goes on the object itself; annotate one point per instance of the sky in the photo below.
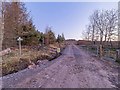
(69, 18)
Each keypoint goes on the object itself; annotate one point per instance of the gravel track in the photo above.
(73, 69)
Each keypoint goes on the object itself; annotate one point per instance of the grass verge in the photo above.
(12, 63)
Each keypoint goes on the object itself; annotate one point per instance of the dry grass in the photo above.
(13, 63)
(111, 54)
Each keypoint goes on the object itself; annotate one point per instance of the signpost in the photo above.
(19, 40)
(58, 50)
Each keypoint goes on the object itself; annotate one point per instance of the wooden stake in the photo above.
(101, 52)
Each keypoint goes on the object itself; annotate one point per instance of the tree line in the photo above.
(102, 27)
(18, 23)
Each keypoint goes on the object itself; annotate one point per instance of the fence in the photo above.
(107, 53)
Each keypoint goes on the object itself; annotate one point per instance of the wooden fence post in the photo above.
(108, 53)
(101, 51)
(97, 50)
(118, 55)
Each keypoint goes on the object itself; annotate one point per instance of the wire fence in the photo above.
(106, 53)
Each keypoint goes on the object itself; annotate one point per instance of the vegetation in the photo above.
(102, 27)
(12, 63)
(18, 23)
(103, 30)
(60, 38)
(49, 36)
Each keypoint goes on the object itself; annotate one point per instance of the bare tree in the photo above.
(92, 26)
(103, 26)
(87, 33)
(2, 10)
(119, 24)
(112, 25)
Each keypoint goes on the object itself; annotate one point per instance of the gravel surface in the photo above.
(73, 69)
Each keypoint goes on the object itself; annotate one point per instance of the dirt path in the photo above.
(73, 69)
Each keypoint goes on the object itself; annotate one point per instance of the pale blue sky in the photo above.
(65, 17)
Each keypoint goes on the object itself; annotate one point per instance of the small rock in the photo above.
(32, 66)
(47, 76)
